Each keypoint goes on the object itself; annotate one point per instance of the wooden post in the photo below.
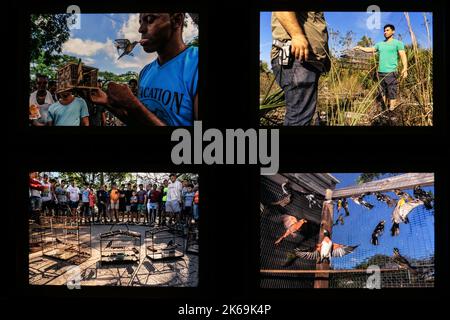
(321, 280)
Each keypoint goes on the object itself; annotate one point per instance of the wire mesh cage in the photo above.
(192, 245)
(65, 239)
(120, 246)
(163, 243)
(400, 257)
(74, 75)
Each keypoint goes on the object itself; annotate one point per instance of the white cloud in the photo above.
(129, 29)
(82, 47)
(190, 31)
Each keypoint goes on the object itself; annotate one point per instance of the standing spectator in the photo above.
(134, 206)
(196, 209)
(164, 200)
(68, 111)
(47, 196)
(41, 84)
(85, 207)
(122, 202)
(133, 84)
(52, 89)
(102, 200)
(153, 199)
(61, 196)
(43, 109)
(128, 194)
(114, 200)
(188, 199)
(92, 202)
(35, 188)
(142, 199)
(173, 203)
(74, 197)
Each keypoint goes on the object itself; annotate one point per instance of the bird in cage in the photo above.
(312, 201)
(385, 198)
(401, 212)
(361, 202)
(340, 219)
(377, 232)
(403, 194)
(292, 226)
(126, 45)
(402, 262)
(325, 250)
(426, 197)
(287, 192)
(342, 203)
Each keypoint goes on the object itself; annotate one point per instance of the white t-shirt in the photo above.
(48, 98)
(46, 193)
(74, 193)
(174, 191)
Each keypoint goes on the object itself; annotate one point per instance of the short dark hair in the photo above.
(132, 81)
(40, 75)
(389, 26)
(173, 174)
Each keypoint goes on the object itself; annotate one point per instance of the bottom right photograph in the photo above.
(347, 230)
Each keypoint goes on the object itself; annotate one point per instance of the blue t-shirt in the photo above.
(169, 90)
(69, 115)
(85, 195)
(188, 199)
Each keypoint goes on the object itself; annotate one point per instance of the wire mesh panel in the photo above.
(415, 244)
(274, 256)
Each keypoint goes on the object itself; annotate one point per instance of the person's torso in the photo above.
(141, 196)
(134, 200)
(174, 191)
(45, 194)
(61, 194)
(315, 28)
(196, 197)
(154, 196)
(73, 193)
(168, 90)
(43, 110)
(85, 196)
(114, 195)
(66, 115)
(188, 198)
(388, 55)
(101, 195)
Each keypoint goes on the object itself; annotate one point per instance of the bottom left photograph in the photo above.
(113, 229)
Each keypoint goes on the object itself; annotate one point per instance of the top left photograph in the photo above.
(111, 69)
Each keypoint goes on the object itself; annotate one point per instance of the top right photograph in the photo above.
(369, 68)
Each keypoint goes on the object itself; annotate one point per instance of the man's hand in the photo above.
(99, 96)
(404, 73)
(299, 47)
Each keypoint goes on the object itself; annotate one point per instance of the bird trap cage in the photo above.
(120, 246)
(192, 239)
(396, 260)
(76, 75)
(163, 243)
(65, 239)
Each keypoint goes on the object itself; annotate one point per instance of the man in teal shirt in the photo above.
(388, 52)
(68, 111)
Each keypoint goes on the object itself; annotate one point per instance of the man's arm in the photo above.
(103, 121)
(299, 43)
(85, 121)
(402, 55)
(368, 50)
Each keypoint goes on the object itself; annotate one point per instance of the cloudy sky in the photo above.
(94, 41)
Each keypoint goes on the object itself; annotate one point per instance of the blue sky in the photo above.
(93, 42)
(416, 239)
(356, 22)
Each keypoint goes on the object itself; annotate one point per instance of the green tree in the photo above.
(365, 42)
(48, 34)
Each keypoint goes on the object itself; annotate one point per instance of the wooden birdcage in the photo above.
(76, 75)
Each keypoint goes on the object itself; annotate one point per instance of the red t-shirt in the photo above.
(154, 195)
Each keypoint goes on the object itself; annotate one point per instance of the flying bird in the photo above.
(340, 219)
(325, 250)
(403, 194)
(385, 198)
(126, 45)
(402, 262)
(377, 232)
(360, 201)
(292, 225)
(426, 197)
(400, 213)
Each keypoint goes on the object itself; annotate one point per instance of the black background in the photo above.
(228, 98)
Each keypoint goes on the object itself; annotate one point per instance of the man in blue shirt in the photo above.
(68, 111)
(167, 92)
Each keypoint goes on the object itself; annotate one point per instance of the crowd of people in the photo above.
(48, 107)
(169, 204)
